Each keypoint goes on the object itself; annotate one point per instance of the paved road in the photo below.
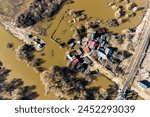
(138, 57)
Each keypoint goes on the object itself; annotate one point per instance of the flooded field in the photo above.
(19, 68)
(96, 9)
(54, 55)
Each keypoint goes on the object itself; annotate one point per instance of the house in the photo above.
(101, 54)
(104, 53)
(76, 61)
(79, 51)
(71, 43)
(92, 45)
(87, 60)
(144, 84)
(70, 57)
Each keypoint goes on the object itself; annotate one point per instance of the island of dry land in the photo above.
(71, 49)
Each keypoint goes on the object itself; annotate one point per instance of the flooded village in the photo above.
(78, 53)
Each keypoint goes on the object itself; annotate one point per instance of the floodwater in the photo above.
(19, 69)
(54, 55)
(98, 9)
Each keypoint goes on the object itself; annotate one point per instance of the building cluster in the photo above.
(93, 41)
(129, 11)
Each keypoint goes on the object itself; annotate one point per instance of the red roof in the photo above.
(75, 61)
(91, 44)
(87, 50)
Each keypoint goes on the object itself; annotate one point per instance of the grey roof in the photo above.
(87, 60)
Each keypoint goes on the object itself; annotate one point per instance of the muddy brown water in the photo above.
(19, 69)
(54, 55)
